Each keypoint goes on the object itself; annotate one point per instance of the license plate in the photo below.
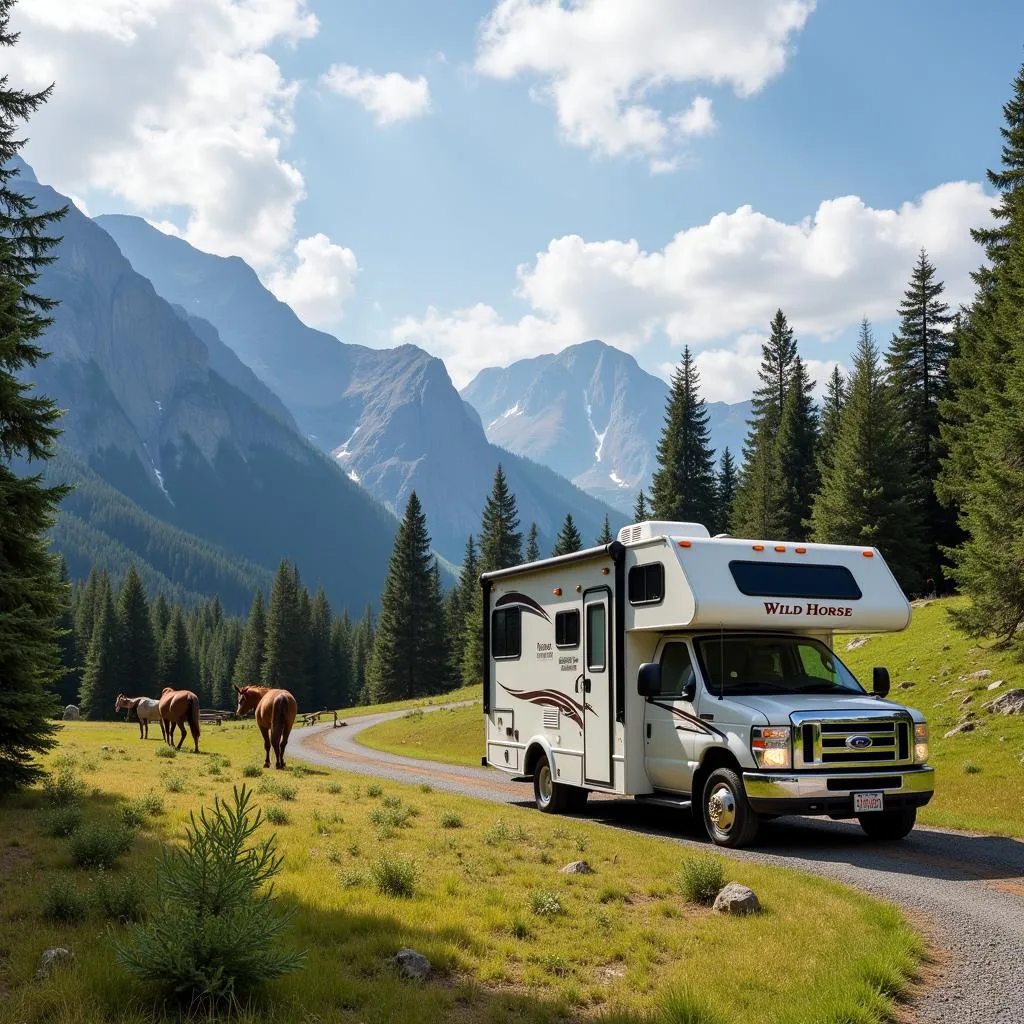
(865, 802)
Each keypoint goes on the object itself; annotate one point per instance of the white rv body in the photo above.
(725, 620)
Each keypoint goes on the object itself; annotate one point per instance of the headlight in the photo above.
(921, 743)
(770, 746)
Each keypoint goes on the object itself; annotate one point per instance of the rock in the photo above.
(1009, 703)
(412, 965)
(737, 899)
(71, 713)
(966, 700)
(58, 956)
(907, 685)
(962, 727)
(982, 673)
(996, 684)
(578, 867)
(945, 647)
(956, 693)
(968, 715)
(857, 641)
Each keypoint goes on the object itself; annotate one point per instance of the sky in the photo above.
(496, 179)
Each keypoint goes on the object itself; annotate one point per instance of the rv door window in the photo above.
(676, 669)
(506, 633)
(774, 579)
(567, 629)
(596, 645)
(646, 583)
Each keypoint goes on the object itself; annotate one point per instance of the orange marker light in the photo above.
(557, 591)
(759, 547)
(605, 571)
(684, 544)
(869, 554)
(800, 551)
(779, 547)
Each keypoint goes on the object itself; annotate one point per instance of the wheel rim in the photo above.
(544, 784)
(722, 808)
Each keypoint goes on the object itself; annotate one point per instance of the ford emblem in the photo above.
(858, 742)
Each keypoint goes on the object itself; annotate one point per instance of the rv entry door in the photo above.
(597, 687)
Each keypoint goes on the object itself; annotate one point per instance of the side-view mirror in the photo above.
(690, 688)
(648, 679)
(880, 681)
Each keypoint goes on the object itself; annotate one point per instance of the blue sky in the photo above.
(885, 101)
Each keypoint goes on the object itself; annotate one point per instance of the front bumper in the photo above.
(832, 794)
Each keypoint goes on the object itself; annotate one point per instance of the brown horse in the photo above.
(176, 708)
(275, 713)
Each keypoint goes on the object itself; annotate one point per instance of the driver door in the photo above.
(670, 735)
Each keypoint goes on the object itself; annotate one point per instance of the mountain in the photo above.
(590, 413)
(195, 467)
(390, 417)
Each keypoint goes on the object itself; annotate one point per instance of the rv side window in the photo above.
(771, 579)
(596, 644)
(646, 583)
(676, 669)
(506, 637)
(567, 629)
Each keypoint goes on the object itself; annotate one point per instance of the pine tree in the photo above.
(831, 412)
(320, 662)
(641, 511)
(500, 539)
(341, 694)
(725, 490)
(160, 613)
(287, 642)
(459, 602)
(568, 539)
(99, 681)
(30, 588)
(683, 488)
(473, 641)
(408, 658)
(176, 662)
(85, 616)
(605, 536)
(137, 663)
(362, 645)
(66, 686)
(248, 669)
(868, 496)
(797, 447)
(984, 416)
(532, 547)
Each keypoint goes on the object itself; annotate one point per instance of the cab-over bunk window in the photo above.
(647, 583)
(506, 633)
(774, 579)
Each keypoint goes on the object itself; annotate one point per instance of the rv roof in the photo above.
(660, 528)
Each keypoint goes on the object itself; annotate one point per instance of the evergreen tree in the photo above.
(641, 511)
(85, 616)
(31, 592)
(248, 669)
(66, 686)
(320, 662)
(459, 602)
(568, 539)
(99, 681)
(725, 490)
(409, 658)
(500, 539)
(137, 664)
(287, 642)
(984, 415)
(605, 536)
(683, 488)
(532, 547)
(868, 496)
(797, 446)
(341, 694)
(362, 645)
(831, 412)
(176, 662)
(473, 641)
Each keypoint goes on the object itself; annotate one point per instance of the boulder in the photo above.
(1009, 703)
(71, 713)
(737, 899)
(982, 673)
(578, 867)
(412, 965)
(966, 700)
(52, 958)
(996, 684)
(907, 685)
(957, 730)
(857, 641)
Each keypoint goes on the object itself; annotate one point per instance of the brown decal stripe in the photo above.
(703, 727)
(552, 699)
(526, 603)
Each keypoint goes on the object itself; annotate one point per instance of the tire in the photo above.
(728, 817)
(551, 797)
(895, 824)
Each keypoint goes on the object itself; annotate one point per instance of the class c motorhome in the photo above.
(699, 672)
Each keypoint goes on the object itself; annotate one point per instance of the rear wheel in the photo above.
(728, 816)
(895, 824)
(551, 797)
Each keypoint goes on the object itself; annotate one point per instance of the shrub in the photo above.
(611, 893)
(152, 802)
(252, 771)
(391, 817)
(121, 898)
(216, 932)
(545, 904)
(166, 751)
(970, 768)
(135, 813)
(394, 877)
(392, 801)
(426, 787)
(500, 833)
(701, 879)
(350, 879)
(519, 929)
(282, 790)
(334, 788)
(450, 820)
(174, 784)
(373, 790)
(100, 844)
(62, 821)
(276, 815)
(63, 902)
(64, 787)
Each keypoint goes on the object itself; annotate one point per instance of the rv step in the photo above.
(665, 800)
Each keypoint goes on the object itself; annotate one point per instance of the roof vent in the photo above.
(660, 528)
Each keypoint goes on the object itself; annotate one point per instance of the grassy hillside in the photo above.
(452, 735)
(510, 937)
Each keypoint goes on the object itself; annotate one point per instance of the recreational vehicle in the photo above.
(699, 672)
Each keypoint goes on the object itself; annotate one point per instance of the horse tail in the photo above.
(278, 718)
(193, 714)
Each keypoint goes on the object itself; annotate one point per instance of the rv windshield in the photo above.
(772, 664)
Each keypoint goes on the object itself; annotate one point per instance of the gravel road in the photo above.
(966, 891)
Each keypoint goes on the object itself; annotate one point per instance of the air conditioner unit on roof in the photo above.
(660, 528)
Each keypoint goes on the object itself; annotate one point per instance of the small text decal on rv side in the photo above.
(774, 608)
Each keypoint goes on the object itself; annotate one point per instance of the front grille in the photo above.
(852, 741)
(865, 782)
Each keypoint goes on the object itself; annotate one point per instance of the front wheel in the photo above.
(728, 817)
(893, 824)
(551, 797)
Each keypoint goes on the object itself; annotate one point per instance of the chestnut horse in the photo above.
(146, 710)
(275, 713)
(176, 708)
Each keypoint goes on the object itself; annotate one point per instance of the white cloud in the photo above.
(719, 281)
(391, 97)
(176, 108)
(320, 281)
(599, 62)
